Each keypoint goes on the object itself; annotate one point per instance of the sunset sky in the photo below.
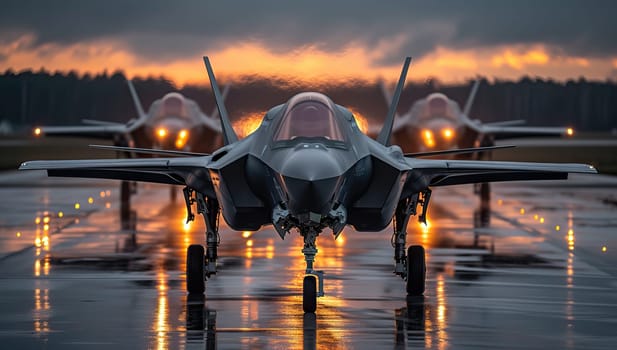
(307, 40)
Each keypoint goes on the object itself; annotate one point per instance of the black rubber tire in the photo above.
(416, 270)
(309, 294)
(195, 283)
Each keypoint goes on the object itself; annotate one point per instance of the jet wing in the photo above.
(512, 129)
(105, 132)
(188, 171)
(437, 172)
(508, 132)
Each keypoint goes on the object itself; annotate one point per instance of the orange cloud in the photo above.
(520, 60)
(309, 63)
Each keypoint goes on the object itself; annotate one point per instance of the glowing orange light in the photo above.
(180, 143)
(500, 202)
(46, 227)
(570, 131)
(46, 220)
(535, 217)
(249, 243)
(161, 132)
(60, 214)
(107, 205)
(102, 194)
(182, 139)
(541, 220)
(428, 138)
(448, 133)
(361, 120)
(18, 234)
(246, 234)
(341, 239)
(522, 211)
(37, 220)
(37, 131)
(248, 123)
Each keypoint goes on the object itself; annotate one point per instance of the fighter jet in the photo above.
(437, 123)
(172, 122)
(307, 168)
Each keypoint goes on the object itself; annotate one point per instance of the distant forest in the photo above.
(42, 98)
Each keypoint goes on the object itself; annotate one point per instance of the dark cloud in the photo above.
(164, 30)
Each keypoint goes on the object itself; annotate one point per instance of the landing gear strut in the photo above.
(200, 264)
(312, 286)
(411, 266)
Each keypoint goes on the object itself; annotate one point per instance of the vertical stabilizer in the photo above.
(471, 97)
(384, 135)
(229, 135)
(136, 101)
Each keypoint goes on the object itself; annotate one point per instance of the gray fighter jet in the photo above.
(437, 122)
(172, 122)
(307, 168)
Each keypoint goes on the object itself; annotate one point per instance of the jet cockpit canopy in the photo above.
(309, 115)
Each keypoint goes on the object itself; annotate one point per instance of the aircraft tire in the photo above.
(309, 294)
(195, 283)
(416, 270)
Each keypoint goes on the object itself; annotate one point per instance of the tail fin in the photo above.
(471, 97)
(215, 111)
(229, 135)
(384, 134)
(136, 101)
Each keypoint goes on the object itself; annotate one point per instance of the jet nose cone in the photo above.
(311, 163)
(312, 178)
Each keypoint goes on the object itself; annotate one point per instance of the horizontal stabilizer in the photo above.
(98, 122)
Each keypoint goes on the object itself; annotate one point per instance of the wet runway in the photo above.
(534, 267)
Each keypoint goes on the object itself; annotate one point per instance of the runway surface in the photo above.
(537, 268)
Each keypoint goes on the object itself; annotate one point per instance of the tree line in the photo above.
(42, 98)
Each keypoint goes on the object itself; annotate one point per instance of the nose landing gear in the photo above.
(312, 286)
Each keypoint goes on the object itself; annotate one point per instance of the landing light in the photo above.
(37, 131)
(427, 135)
(448, 133)
(570, 131)
(161, 132)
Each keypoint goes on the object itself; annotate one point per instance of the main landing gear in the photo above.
(411, 266)
(200, 263)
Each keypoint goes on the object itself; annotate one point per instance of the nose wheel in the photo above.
(309, 294)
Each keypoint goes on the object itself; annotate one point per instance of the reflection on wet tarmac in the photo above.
(484, 265)
(42, 310)
(200, 322)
